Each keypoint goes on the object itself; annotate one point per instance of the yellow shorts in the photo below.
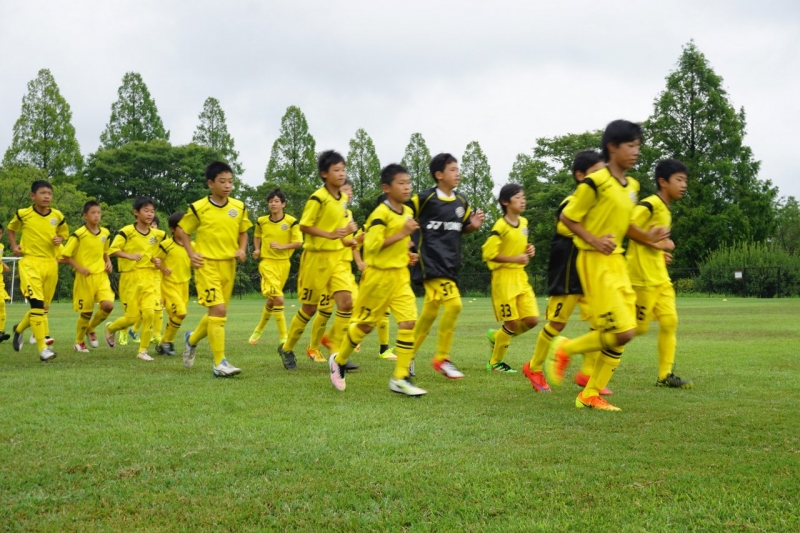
(512, 295)
(38, 277)
(322, 273)
(176, 297)
(608, 291)
(385, 290)
(273, 276)
(326, 302)
(3, 294)
(157, 277)
(560, 308)
(90, 289)
(214, 281)
(655, 302)
(136, 291)
(440, 289)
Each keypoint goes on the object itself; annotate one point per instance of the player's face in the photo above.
(222, 185)
(677, 185)
(335, 175)
(450, 177)
(93, 215)
(275, 205)
(516, 204)
(43, 197)
(348, 190)
(145, 214)
(154, 224)
(626, 154)
(400, 189)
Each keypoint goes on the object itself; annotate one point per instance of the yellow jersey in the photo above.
(562, 228)
(131, 241)
(283, 231)
(176, 258)
(218, 227)
(646, 265)
(505, 239)
(89, 249)
(328, 213)
(384, 222)
(603, 206)
(38, 231)
(347, 251)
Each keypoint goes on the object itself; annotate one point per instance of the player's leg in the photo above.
(3, 335)
(430, 310)
(341, 286)
(404, 307)
(559, 310)
(665, 311)
(147, 312)
(315, 271)
(451, 301)
(383, 339)
(320, 322)
(267, 291)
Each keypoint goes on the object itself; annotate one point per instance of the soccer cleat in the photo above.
(4, 336)
(133, 335)
(558, 361)
(337, 373)
(93, 339)
(80, 347)
(188, 351)
(155, 339)
(48, 340)
(123, 337)
(537, 379)
(412, 369)
(388, 355)
(594, 402)
(326, 343)
(144, 356)
(349, 366)
(315, 355)
(674, 382)
(583, 379)
(159, 350)
(447, 369)
(289, 361)
(500, 367)
(109, 337)
(32, 339)
(47, 355)
(16, 342)
(490, 335)
(405, 386)
(255, 336)
(226, 370)
(167, 348)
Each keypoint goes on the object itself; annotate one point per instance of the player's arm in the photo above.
(116, 249)
(62, 232)
(159, 261)
(68, 259)
(12, 239)
(655, 237)
(408, 228)
(475, 219)
(360, 264)
(186, 227)
(106, 257)
(585, 198)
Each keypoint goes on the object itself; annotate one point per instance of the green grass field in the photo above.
(106, 442)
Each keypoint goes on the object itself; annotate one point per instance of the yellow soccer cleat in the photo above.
(255, 336)
(315, 355)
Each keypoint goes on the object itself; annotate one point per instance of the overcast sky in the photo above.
(500, 72)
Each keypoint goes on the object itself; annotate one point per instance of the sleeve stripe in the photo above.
(295, 223)
(648, 205)
(495, 233)
(162, 248)
(120, 232)
(191, 206)
(590, 182)
(377, 222)
(63, 221)
(312, 197)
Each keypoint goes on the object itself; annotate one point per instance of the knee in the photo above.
(181, 317)
(511, 325)
(668, 323)
(218, 311)
(625, 337)
(107, 306)
(365, 328)
(531, 321)
(454, 305)
(558, 326)
(408, 324)
(277, 301)
(309, 309)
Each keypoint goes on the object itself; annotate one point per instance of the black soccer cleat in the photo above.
(674, 382)
(289, 361)
(16, 343)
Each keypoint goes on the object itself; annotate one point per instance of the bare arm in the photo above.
(604, 244)
(184, 240)
(12, 239)
(241, 253)
(78, 268)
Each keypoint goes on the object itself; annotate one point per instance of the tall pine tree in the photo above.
(134, 116)
(476, 182)
(364, 170)
(212, 132)
(416, 159)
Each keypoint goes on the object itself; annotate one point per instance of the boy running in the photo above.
(3, 295)
(173, 263)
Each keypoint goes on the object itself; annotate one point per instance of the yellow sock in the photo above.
(404, 349)
(46, 322)
(137, 326)
(82, 327)
(158, 323)
(280, 321)
(603, 370)
(97, 319)
(146, 329)
(121, 323)
(265, 316)
(318, 328)
(2, 315)
(352, 338)
(38, 328)
(173, 325)
(543, 343)
(216, 337)
(589, 360)
(341, 322)
(667, 343)
(430, 310)
(502, 338)
(200, 332)
(383, 331)
(594, 341)
(296, 328)
(447, 328)
(25, 323)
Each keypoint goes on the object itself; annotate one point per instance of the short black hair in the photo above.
(142, 201)
(276, 192)
(667, 168)
(327, 159)
(618, 132)
(439, 162)
(88, 205)
(585, 160)
(216, 168)
(508, 191)
(174, 219)
(155, 221)
(40, 184)
(390, 171)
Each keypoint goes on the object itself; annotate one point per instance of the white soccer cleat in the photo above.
(93, 342)
(188, 351)
(405, 386)
(226, 370)
(47, 355)
(144, 356)
(80, 347)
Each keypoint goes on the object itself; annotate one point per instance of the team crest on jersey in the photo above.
(152, 240)
(634, 197)
(103, 238)
(233, 213)
(284, 226)
(525, 231)
(459, 211)
(54, 222)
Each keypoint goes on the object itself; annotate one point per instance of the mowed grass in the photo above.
(106, 442)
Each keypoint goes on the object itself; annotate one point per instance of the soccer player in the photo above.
(325, 223)
(43, 229)
(173, 263)
(158, 312)
(221, 225)
(443, 216)
(3, 295)
(277, 236)
(86, 252)
(600, 218)
(507, 252)
(386, 284)
(564, 287)
(647, 263)
(134, 246)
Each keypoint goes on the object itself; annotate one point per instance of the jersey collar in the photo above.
(217, 205)
(276, 221)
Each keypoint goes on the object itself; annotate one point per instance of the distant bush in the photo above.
(767, 271)
(684, 286)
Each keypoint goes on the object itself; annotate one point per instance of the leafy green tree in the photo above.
(212, 132)
(416, 159)
(476, 182)
(364, 170)
(134, 116)
(43, 135)
(694, 121)
(16, 180)
(788, 222)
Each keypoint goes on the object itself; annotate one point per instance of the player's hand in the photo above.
(412, 258)
(109, 266)
(362, 266)
(658, 233)
(476, 219)
(360, 238)
(522, 259)
(340, 232)
(167, 271)
(156, 261)
(275, 246)
(530, 250)
(668, 258)
(82, 270)
(352, 227)
(17, 251)
(197, 260)
(667, 245)
(241, 255)
(256, 253)
(605, 244)
(410, 226)
(135, 257)
(58, 239)
(5, 268)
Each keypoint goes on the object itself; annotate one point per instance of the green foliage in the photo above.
(172, 175)
(134, 116)
(767, 270)
(43, 134)
(684, 286)
(364, 170)
(694, 121)
(476, 182)
(416, 159)
(212, 132)
(788, 226)
(16, 182)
